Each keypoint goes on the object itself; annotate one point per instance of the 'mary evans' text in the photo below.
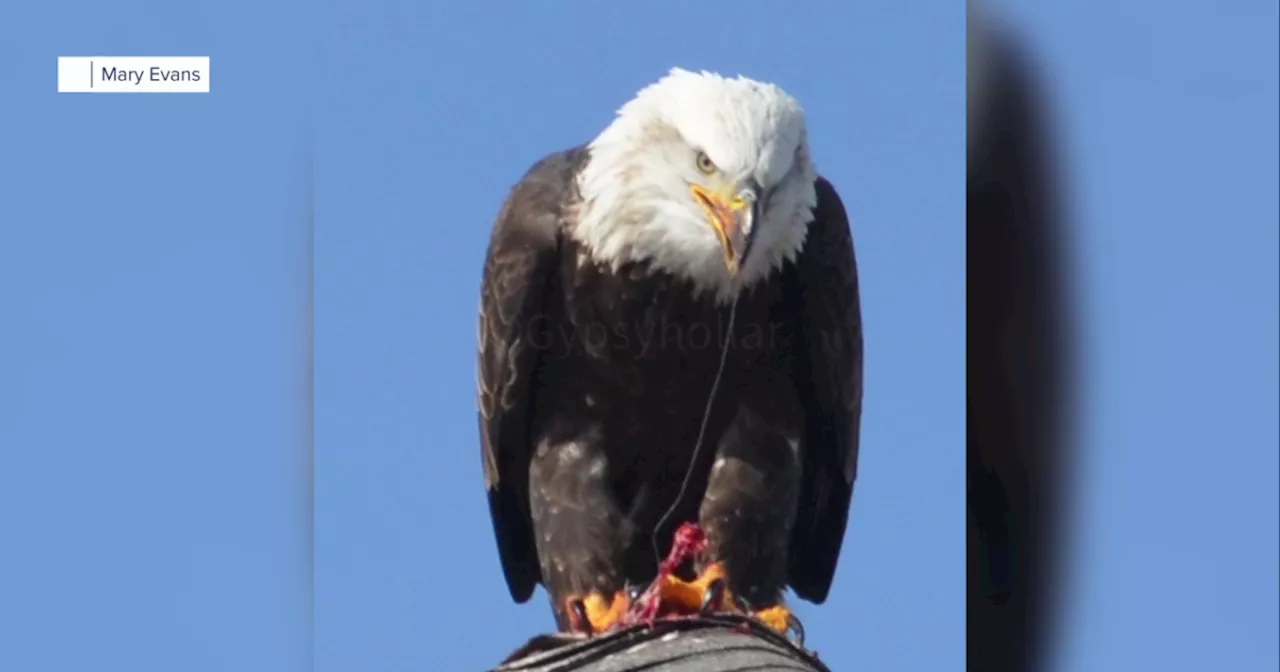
(153, 74)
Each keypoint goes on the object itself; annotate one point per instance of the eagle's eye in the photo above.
(705, 164)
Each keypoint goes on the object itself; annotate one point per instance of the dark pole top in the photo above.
(703, 644)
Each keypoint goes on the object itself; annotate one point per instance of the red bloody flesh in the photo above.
(689, 541)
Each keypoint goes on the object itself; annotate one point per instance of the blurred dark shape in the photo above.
(703, 644)
(1017, 343)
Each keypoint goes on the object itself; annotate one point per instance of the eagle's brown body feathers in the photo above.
(593, 385)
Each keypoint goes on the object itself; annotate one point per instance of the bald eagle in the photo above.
(672, 308)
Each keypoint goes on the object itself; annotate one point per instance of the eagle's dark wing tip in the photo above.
(814, 572)
(514, 536)
(832, 317)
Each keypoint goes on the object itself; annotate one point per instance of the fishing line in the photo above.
(702, 430)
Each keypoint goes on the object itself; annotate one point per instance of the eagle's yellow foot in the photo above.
(777, 617)
(677, 596)
(669, 595)
(708, 594)
(596, 613)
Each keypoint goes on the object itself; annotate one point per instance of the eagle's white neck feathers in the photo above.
(636, 204)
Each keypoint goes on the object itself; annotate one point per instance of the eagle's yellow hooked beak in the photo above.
(733, 216)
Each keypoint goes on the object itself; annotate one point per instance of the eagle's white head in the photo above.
(704, 177)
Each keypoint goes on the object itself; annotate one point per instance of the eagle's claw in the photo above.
(795, 626)
(578, 614)
(779, 618)
(595, 613)
(634, 592)
(713, 597)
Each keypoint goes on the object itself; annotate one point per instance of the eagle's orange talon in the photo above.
(710, 598)
(601, 613)
(693, 596)
(777, 617)
(672, 595)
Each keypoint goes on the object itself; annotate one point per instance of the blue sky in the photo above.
(1168, 123)
(156, 274)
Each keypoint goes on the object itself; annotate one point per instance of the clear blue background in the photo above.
(1168, 120)
(155, 411)
(157, 274)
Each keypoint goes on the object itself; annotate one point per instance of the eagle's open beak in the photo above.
(733, 216)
